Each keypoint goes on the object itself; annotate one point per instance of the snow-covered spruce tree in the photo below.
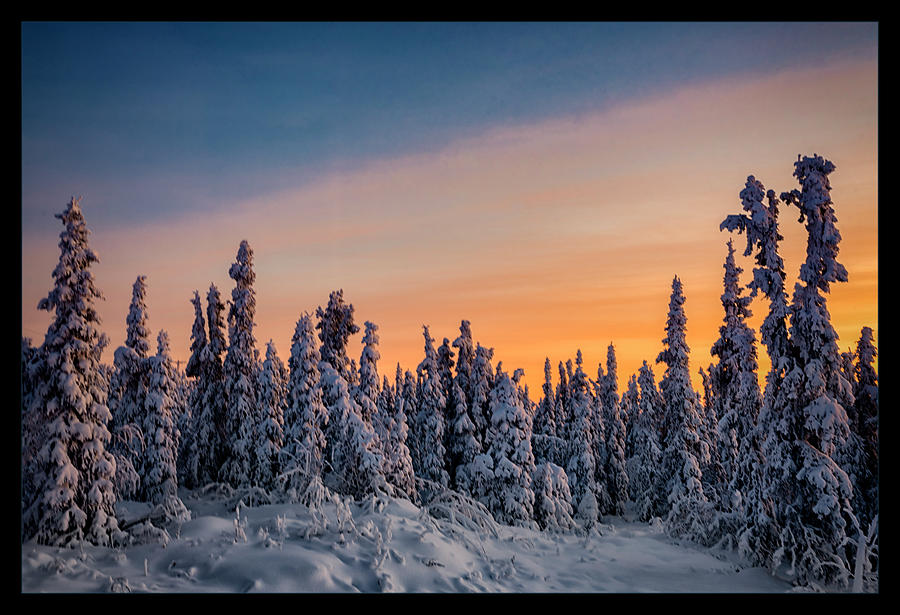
(465, 362)
(335, 326)
(302, 458)
(242, 415)
(563, 412)
(581, 467)
(358, 460)
(187, 454)
(737, 400)
(866, 427)
(273, 390)
(615, 473)
(480, 383)
(684, 451)
(511, 497)
(758, 540)
(398, 467)
(430, 417)
(128, 392)
(548, 441)
(545, 415)
(74, 497)
(210, 442)
(160, 479)
(810, 492)
(630, 407)
(644, 464)
(365, 393)
(552, 498)
(712, 472)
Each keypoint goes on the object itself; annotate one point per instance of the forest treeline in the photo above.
(786, 473)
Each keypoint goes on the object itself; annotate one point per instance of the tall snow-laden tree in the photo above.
(644, 464)
(430, 422)
(683, 449)
(74, 497)
(187, 456)
(714, 481)
(866, 427)
(615, 473)
(335, 328)
(810, 491)
(242, 416)
(545, 415)
(480, 383)
(398, 460)
(358, 458)
(581, 467)
(210, 419)
(273, 391)
(737, 400)
(160, 478)
(128, 392)
(305, 415)
(512, 496)
(630, 406)
(758, 540)
(365, 393)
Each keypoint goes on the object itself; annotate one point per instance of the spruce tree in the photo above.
(242, 416)
(305, 417)
(187, 456)
(616, 476)
(512, 496)
(273, 390)
(758, 540)
(398, 460)
(683, 449)
(74, 498)
(581, 467)
(644, 465)
(866, 427)
(737, 399)
(210, 433)
(430, 419)
(812, 506)
(160, 478)
(552, 498)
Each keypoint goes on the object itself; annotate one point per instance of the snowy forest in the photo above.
(779, 470)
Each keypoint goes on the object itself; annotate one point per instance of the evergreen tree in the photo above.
(242, 416)
(712, 472)
(630, 406)
(128, 393)
(305, 415)
(273, 391)
(430, 421)
(545, 415)
(512, 497)
(758, 540)
(683, 449)
(616, 475)
(335, 328)
(737, 401)
(810, 492)
(481, 381)
(552, 498)
(74, 498)
(211, 394)
(160, 478)
(187, 456)
(866, 427)
(581, 468)
(398, 460)
(366, 392)
(643, 466)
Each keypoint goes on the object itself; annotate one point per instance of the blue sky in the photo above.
(543, 180)
(124, 111)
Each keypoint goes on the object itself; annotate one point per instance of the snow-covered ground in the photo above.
(383, 545)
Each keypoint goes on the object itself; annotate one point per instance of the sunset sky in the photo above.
(545, 181)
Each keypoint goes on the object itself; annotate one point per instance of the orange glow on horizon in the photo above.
(549, 238)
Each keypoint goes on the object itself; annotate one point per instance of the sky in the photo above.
(545, 181)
